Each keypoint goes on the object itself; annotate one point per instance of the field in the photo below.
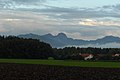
(30, 69)
(63, 63)
(52, 72)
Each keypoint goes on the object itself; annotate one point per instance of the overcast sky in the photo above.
(79, 19)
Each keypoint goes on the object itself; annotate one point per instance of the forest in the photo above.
(21, 48)
(14, 47)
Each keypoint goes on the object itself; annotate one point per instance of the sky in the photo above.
(78, 19)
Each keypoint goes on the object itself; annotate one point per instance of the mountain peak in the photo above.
(61, 40)
(31, 34)
(48, 35)
(109, 37)
(61, 35)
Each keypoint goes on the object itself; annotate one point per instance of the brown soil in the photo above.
(45, 72)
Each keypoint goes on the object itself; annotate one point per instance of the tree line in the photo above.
(21, 48)
(74, 53)
(14, 47)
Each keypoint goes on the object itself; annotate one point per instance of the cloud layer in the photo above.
(36, 16)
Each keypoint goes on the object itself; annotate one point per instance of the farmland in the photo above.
(63, 63)
(51, 72)
(35, 69)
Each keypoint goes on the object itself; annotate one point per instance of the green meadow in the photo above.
(63, 63)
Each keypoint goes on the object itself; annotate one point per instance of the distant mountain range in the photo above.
(61, 40)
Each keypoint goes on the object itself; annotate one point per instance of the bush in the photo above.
(50, 58)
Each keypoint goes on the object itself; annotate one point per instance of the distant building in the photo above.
(116, 55)
(87, 56)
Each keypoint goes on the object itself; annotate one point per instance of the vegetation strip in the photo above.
(63, 63)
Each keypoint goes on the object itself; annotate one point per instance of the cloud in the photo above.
(77, 13)
(16, 22)
(28, 1)
(15, 4)
(117, 6)
(21, 1)
(90, 22)
(59, 12)
(26, 16)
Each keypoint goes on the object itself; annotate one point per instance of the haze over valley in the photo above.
(61, 40)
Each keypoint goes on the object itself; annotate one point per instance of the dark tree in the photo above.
(14, 47)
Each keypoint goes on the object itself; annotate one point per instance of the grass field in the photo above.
(63, 63)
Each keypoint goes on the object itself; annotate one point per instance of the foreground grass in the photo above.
(63, 63)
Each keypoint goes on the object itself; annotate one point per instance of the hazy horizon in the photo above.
(78, 19)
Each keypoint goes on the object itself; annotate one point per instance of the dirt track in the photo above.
(42, 72)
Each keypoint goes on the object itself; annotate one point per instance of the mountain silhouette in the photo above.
(61, 40)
